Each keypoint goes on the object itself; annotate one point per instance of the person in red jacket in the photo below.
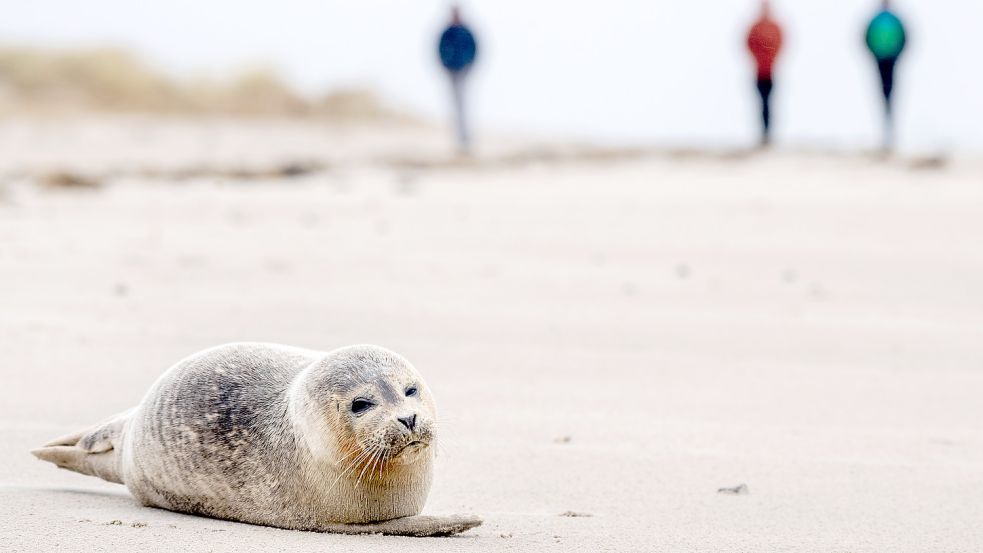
(764, 41)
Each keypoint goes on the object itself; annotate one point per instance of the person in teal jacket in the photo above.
(886, 40)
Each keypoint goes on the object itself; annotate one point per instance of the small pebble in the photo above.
(740, 489)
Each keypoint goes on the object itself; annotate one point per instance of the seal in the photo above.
(339, 441)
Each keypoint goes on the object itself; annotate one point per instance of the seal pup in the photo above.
(266, 434)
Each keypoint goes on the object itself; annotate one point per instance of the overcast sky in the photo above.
(655, 71)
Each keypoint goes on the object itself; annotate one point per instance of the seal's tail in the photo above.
(93, 451)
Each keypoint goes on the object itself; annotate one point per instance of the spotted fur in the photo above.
(266, 434)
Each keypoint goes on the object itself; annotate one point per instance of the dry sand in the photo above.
(611, 337)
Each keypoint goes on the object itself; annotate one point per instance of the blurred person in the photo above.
(764, 41)
(457, 51)
(886, 40)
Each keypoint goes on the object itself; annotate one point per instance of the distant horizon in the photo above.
(639, 78)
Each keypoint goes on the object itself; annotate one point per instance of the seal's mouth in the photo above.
(412, 447)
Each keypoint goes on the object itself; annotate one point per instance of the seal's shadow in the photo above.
(110, 498)
(118, 496)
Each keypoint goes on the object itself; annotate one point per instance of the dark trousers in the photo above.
(764, 89)
(886, 67)
(457, 87)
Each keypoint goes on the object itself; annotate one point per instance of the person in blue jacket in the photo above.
(457, 49)
(886, 40)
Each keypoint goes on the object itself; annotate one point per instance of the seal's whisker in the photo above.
(375, 451)
(375, 459)
(342, 475)
(365, 465)
(346, 456)
(350, 466)
(379, 462)
(364, 458)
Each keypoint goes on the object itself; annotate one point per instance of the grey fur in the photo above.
(265, 434)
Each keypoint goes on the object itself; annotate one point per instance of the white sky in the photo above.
(656, 71)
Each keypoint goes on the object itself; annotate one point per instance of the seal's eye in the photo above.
(361, 405)
(411, 391)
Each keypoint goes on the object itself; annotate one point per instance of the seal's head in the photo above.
(368, 405)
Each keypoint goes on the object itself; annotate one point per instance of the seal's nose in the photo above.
(409, 422)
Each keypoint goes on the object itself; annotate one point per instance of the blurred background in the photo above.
(671, 73)
(645, 330)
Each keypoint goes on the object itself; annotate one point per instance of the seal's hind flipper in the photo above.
(420, 526)
(91, 451)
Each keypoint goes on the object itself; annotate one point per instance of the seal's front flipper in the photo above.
(420, 526)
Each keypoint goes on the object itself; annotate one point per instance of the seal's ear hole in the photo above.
(411, 391)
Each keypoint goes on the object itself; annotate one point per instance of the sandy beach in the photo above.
(612, 335)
